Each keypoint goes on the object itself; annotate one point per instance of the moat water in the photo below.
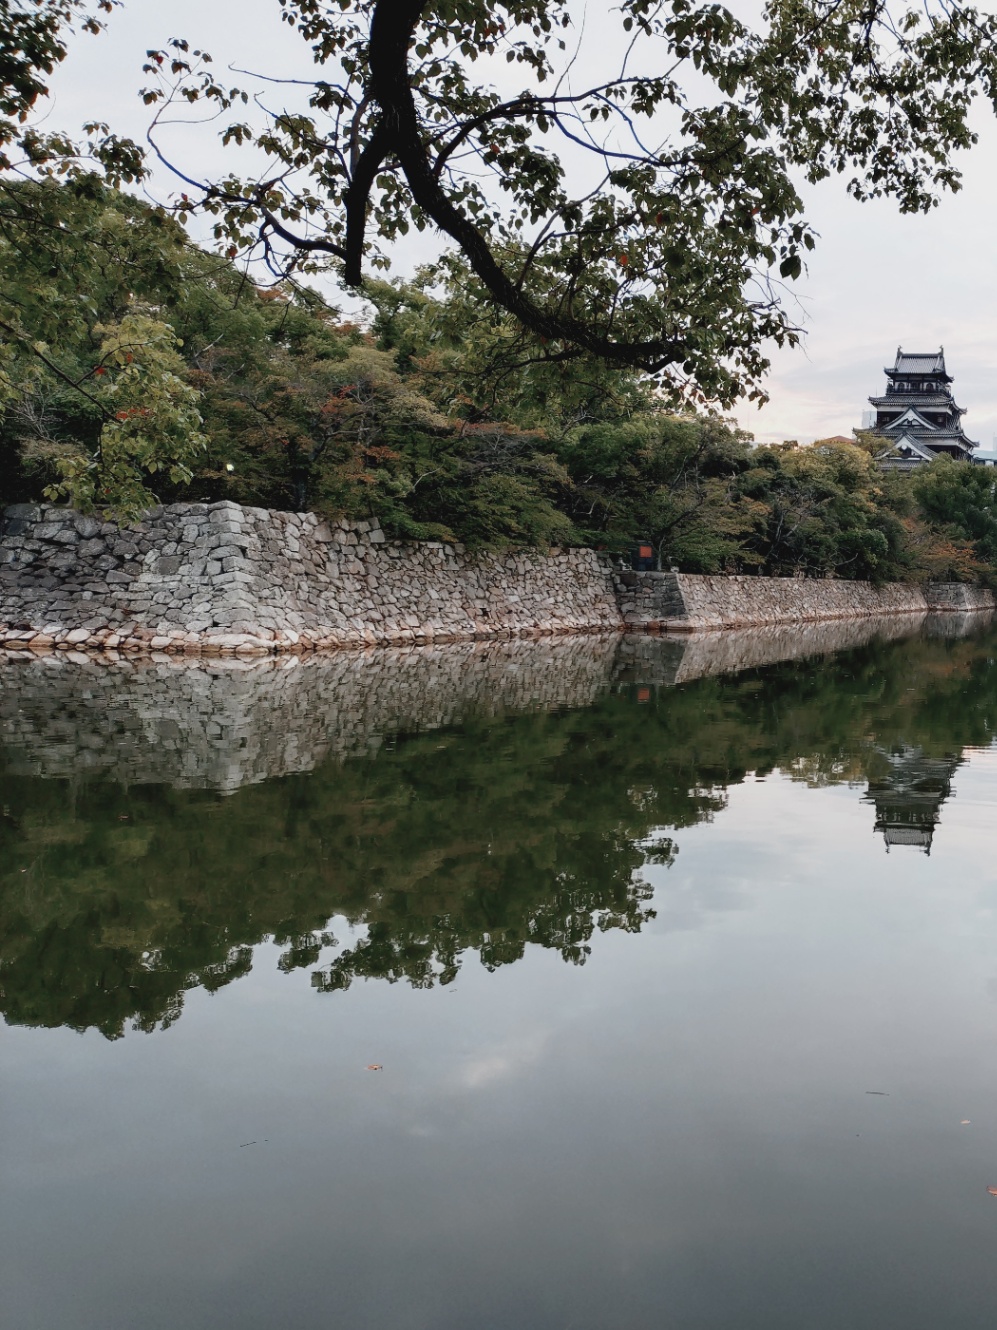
(592, 983)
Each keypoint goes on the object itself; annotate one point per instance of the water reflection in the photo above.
(908, 794)
(159, 822)
(224, 724)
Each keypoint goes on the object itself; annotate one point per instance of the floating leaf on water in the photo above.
(992, 1191)
(374, 1066)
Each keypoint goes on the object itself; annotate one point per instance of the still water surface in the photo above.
(680, 967)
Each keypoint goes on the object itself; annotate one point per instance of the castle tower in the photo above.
(918, 419)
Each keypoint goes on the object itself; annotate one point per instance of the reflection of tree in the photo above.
(530, 829)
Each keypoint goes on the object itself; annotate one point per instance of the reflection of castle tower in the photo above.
(909, 794)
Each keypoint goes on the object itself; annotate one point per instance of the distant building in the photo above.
(918, 419)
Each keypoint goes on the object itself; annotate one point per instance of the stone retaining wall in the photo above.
(958, 597)
(681, 602)
(218, 579)
(221, 579)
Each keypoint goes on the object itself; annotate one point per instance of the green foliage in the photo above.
(37, 249)
(667, 480)
(476, 362)
(822, 511)
(151, 422)
(593, 242)
(95, 391)
(76, 253)
(33, 38)
(440, 422)
(962, 501)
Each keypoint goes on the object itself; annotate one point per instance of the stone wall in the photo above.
(958, 597)
(223, 579)
(219, 579)
(682, 602)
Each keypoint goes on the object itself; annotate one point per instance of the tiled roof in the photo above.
(920, 363)
(932, 437)
(920, 836)
(900, 400)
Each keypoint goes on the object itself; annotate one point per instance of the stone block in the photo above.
(86, 526)
(23, 512)
(169, 565)
(49, 531)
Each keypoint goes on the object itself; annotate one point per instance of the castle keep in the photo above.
(918, 419)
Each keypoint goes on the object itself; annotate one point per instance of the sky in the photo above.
(877, 280)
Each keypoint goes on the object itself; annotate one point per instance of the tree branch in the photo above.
(391, 32)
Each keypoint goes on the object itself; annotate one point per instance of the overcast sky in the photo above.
(876, 281)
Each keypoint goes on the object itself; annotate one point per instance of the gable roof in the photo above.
(911, 417)
(906, 443)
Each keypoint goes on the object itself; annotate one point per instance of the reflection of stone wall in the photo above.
(672, 660)
(232, 723)
(680, 601)
(226, 723)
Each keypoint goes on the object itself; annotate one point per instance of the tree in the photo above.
(55, 278)
(467, 353)
(824, 512)
(93, 390)
(151, 422)
(962, 501)
(640, 217)
(33, 37)
(299, 410)
(666, 480)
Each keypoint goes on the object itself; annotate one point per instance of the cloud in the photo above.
(504, 1061)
